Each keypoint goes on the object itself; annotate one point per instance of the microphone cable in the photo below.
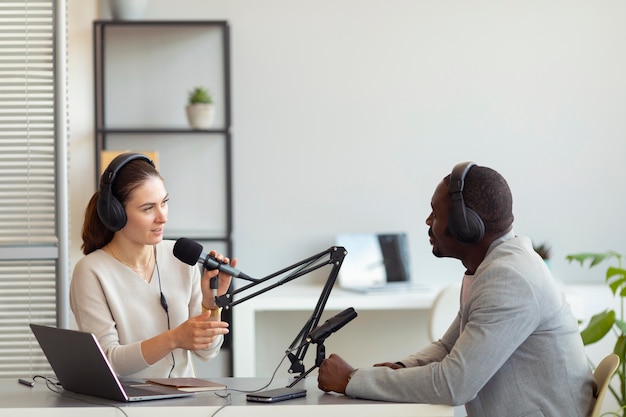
(163, 302)
(271, 378)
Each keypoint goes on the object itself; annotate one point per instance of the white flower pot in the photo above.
(200, 116)
(127, 9)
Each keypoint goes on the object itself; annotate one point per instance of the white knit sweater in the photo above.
(111, 301)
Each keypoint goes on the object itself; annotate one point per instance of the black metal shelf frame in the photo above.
(102, 131)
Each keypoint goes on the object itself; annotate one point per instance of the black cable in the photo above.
(271, 379)
(228, 395)
(163, 301)
(53, 385)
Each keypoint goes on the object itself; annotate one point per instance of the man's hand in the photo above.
(391, 365)
(333, 374)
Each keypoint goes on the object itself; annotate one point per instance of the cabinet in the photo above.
(143, 73)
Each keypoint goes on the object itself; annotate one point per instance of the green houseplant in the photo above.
(199, 95)
(543, 250)
(200, 109)
(608, 321)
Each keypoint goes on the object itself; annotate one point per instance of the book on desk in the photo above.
(188, 384)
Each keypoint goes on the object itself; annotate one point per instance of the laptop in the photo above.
(82, 367)
(376, 262)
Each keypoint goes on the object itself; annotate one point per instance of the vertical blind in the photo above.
(29, 243)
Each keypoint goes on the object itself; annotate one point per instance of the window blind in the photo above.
(29, 243)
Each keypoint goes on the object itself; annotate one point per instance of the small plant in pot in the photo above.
(544, 251)
(200, 109)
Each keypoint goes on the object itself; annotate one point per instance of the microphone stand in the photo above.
(319, 358)
(335, 256)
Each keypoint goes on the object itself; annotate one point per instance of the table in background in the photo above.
(391, 325)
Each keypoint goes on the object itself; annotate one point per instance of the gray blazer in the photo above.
(514, 350)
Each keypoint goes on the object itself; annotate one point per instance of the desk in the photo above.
(17, 400)
(272, 320)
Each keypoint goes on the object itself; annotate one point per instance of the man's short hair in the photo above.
(488, 194)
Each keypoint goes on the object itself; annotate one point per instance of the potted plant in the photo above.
(200, 109)
(608, 321)
(127, 9)
(544, 251)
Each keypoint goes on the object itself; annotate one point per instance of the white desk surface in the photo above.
(17, 400)
(304, 298)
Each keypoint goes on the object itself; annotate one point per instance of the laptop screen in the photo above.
(82, 367)
(374, 260)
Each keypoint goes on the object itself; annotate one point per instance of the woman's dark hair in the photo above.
(95, 234)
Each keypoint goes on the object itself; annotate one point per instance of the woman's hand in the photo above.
(198, 333)
(223, 280)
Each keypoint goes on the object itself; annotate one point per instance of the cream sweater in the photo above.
(111, 301)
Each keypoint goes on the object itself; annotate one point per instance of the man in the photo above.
(514, 349)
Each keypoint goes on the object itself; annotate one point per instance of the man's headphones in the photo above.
(110, 210)
(464, 224)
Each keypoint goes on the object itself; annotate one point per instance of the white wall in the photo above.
(348, 112)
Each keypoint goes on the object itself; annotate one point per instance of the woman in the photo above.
(148, 309)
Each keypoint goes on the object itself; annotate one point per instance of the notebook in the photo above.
(376, 262)
(82, 367)
(188, 384)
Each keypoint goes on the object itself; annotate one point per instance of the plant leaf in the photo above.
(598, 327)
(614, 271)
(595, 258)
(616, 278)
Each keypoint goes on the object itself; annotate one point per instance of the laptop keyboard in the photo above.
(141, 389)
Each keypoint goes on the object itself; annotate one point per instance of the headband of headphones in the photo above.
(457, 177)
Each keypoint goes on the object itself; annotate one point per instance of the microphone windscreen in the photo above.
(187, 251)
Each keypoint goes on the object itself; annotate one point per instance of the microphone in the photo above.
(190, 252)
(331, 325)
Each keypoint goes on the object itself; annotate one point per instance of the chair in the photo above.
(443, 311)
(603, 373)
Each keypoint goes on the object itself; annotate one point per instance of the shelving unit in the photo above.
(143, 72)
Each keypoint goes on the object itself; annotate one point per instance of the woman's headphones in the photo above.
(110, 210)
(464, 224)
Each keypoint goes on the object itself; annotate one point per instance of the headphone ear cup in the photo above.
(475, 229)
(464, 224)
(111, 212)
